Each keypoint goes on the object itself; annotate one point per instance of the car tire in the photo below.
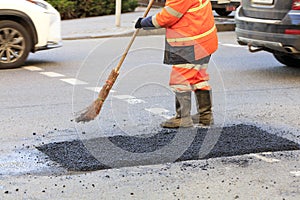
(222, 12)
(15, 44)
(287, 60)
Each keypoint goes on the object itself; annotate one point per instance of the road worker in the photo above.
(191, 38)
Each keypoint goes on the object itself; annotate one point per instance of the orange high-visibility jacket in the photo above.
(191, 33)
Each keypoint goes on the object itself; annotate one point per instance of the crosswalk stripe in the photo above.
(74, 81)
(32, 68)
(295, 173)
(52, 74)
(159, 111)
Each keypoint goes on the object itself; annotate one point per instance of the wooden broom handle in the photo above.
(117, 69)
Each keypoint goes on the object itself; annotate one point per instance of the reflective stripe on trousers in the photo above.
(189, 77)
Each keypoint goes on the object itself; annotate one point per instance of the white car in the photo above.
(27, 26)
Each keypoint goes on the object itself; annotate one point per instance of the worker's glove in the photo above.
(138, 23)
(145, 23)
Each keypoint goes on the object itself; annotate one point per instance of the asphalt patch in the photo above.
(230, 141)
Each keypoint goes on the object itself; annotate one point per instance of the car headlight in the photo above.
(38, 3)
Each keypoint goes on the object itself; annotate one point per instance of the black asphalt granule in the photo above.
(238, 140)
(143, 144)
(72, 155)
(234, 140)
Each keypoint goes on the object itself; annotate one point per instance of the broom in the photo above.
(91, 112)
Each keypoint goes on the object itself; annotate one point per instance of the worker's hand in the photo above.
(138, 23)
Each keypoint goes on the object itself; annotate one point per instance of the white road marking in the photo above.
(74, 81)
(124, 97)
(266, 153)
(269, 160)
(234, 45)
(130, 99)
(295, 173)
(97, 89)
(135, 101)
(166, 116)
(159, 111)
(52, 74)
(33, 68)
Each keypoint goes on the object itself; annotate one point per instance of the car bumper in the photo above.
(50, 45)
(49, 30)
(269, 41)
(268, 34)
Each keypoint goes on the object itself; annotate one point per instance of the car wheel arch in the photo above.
(23, 19)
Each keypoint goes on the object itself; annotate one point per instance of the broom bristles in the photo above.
(91, 112)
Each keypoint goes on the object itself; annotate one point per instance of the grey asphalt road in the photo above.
(255, 106)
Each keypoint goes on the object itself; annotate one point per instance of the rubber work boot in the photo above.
(204, 116)
(183, 117)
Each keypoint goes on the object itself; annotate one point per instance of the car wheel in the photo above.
(222, 12)
(288, 60)
(15, 44)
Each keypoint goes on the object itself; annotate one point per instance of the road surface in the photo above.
(256, 108)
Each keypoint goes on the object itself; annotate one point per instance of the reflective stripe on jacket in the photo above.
(191, 33)
(190, 77)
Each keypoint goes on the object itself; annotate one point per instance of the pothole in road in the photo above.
(232, 140)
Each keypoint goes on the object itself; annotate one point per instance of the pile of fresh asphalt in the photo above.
(232, 140)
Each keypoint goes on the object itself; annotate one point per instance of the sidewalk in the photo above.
(104, 26)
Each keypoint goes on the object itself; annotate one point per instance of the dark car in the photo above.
(224, 7)
(271, 25)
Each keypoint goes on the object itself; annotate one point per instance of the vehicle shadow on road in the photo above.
(40, 63)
